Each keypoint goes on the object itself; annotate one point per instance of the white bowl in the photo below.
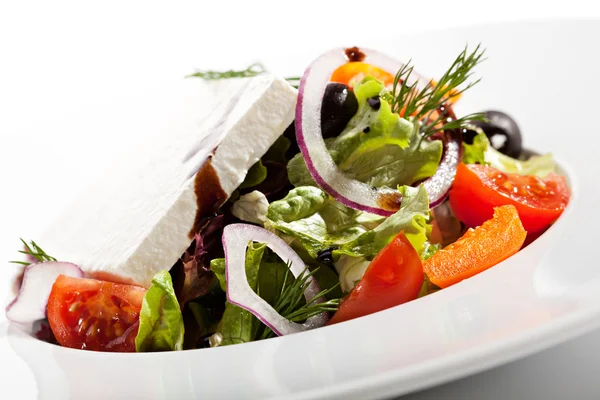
(543, 74)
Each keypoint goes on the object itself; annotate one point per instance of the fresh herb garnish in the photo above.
(429, 104)
(290, 297)
(253, 70)
(34, 251)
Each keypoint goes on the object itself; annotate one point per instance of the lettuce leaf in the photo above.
(535, 165)
(377, 147)
(475, 153)
(238, 325)
(161, 322)
(267, 276)
(318, 221)
(413, 218)
(256, 175)
(481, 152)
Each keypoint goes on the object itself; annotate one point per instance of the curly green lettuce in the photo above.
(481, 152)
(318, 222)
(161, 322)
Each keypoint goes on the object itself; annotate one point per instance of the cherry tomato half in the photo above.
(477, 189)
(95, 315)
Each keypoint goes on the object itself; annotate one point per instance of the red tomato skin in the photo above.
(394, 277)
(473, 198)
(94, 315)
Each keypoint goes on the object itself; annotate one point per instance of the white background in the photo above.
(63, 59)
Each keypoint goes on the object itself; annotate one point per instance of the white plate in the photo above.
(544, 74)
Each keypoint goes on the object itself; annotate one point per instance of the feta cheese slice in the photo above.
(136, 222)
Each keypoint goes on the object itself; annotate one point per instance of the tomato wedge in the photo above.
(478, 249)
(477, 189)
(95, 315)
(394, 277)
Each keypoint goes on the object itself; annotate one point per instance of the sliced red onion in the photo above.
(30, 303)
(351, 192)
(235, 241)
(438, 186)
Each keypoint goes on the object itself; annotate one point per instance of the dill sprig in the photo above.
(432, 99)
(253, 70)
(34, 251)
(289, 300)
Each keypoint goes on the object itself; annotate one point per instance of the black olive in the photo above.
(502, 131)
(204, 341)
(339, 106)
(325, 256)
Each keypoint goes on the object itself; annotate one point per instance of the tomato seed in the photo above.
(118, 329)
(82, 325)
(75, 306)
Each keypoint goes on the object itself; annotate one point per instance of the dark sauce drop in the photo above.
(209, 196)
(390, 201)
(354, 54)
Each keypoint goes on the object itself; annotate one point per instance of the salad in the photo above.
(370, 192)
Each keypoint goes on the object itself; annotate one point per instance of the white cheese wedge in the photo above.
(135, 222)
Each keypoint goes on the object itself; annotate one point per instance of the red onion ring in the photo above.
(351, 192)
(438, 186)
(32, 299)
(235, 241)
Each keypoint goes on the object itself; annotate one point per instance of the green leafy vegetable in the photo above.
(290, 301)
(429, 250)
(161, 323)
(327, 278)
(218, 267)
(256, 174)
(427, 287)
(35, 251)
(320, 222)
(535, 165)
(377, 147)
(413, 218)
(239, 325)
(278, 150)
(299, 203)
(316, 220)
(475, 153)
(271, 278)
